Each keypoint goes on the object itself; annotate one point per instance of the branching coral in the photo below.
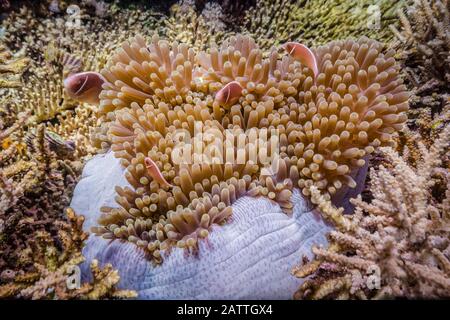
(46, 99)
(320, 21)
(11, 68)
(76, 126)
(325, 124)
(52, 42)
(53, 258)
(38, 244)
(196, 29)
(395, 246)
(423, 45)
(424, 128)
(37, 189)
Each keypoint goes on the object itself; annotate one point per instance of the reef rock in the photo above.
(250, 257)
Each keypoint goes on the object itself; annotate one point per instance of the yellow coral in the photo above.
(11, 68)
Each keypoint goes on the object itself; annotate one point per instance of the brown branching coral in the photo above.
(46, 99)
(74, 36)
(38, 243)
(395, 246)
(325, 125)
(36, 187)
(76, 126)
(423, 45)
(53, 260)
(57, 47)
(424, 128)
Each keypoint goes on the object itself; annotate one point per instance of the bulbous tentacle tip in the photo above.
(303, 54)
(229, 94)
(85, 86)
(155, 173)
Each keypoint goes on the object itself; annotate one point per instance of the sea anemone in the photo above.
(327, 123)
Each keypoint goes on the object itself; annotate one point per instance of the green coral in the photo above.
(319, 21)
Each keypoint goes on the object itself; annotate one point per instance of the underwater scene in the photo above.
(224, 149)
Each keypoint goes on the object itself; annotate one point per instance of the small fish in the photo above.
(56, 143)
(85, 86)
(154, 172)
(303, 54)
(229, 94)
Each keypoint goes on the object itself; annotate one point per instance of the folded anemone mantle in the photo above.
(230, 230)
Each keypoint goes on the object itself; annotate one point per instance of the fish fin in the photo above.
(71, 63)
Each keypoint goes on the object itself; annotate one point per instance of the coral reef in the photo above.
(50, 42)
(76, 126)
(52, 258)
(320, 21)
(197, 29)
(395, 246)
(272, 23)
(228, 67)
(36, 187)
(425, 128)
(396, 243)
(423, 45)
(327, 123)
(38, 243)
(11, 68)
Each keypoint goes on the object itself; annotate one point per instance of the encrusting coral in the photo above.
(326, 123)
(395, 246)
